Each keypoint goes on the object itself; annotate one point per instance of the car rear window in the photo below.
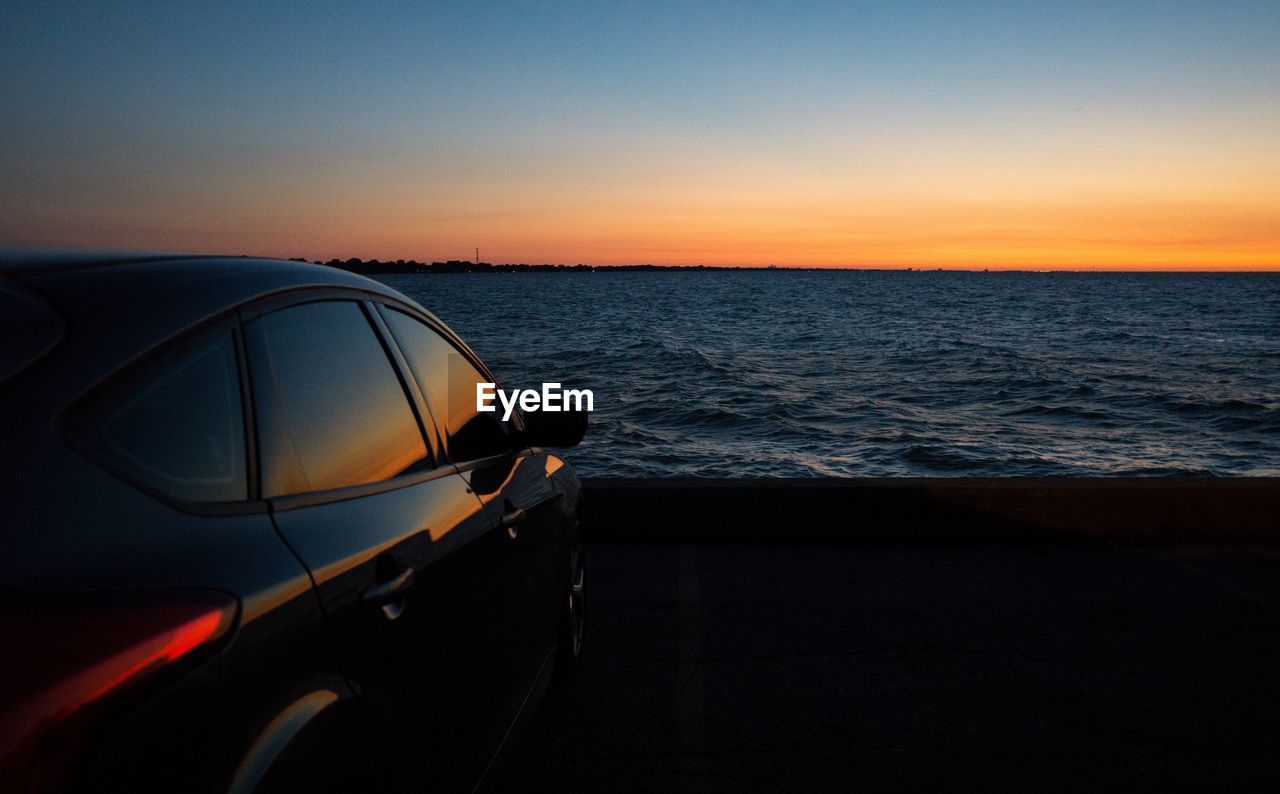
(29, 327)
(332, 411)
(175, 423)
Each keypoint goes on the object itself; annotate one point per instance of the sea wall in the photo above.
(961, 511)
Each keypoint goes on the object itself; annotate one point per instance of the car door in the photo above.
(511, 483)
(401, 553)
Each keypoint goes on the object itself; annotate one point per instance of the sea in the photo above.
(788, 373)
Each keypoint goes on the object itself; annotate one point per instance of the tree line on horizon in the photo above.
(376, 267)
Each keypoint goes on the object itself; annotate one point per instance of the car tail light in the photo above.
(71, 657)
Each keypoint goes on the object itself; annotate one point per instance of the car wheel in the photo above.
(573, 610)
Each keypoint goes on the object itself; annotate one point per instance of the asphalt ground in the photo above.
(983, 668)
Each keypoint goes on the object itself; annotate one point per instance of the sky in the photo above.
(1087, 136)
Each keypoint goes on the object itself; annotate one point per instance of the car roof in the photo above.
(165, 291)
(119, 305)
(15, 261)
(218, 278)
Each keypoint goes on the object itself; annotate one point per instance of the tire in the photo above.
(573, 610)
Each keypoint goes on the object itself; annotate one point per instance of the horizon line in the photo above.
(1266, 269)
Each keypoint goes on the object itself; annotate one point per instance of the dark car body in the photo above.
(245, 544)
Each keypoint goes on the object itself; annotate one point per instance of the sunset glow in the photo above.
(864, 135)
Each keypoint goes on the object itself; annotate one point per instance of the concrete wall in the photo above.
(961, 511)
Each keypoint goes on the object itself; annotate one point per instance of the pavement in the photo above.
(977, 668)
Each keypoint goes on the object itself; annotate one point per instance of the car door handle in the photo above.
(386, 592)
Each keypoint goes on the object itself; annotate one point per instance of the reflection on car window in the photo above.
(449, 381)
(177, 423)
(337, 413)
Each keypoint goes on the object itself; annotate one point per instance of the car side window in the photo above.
(331, 409)
(175, 423)
(449, 381)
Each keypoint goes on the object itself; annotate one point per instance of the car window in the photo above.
(176, 422)
(449, 381)
(332, 410)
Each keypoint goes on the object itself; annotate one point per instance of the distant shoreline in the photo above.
(374, 267)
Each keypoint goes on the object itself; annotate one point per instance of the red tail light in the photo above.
(69, 657)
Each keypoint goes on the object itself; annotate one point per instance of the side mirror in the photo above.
(554, 428)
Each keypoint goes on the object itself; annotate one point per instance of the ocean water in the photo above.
(793, 374)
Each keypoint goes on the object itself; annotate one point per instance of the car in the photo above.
(258, 537)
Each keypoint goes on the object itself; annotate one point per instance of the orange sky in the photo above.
(957, 211)
(843, 223)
